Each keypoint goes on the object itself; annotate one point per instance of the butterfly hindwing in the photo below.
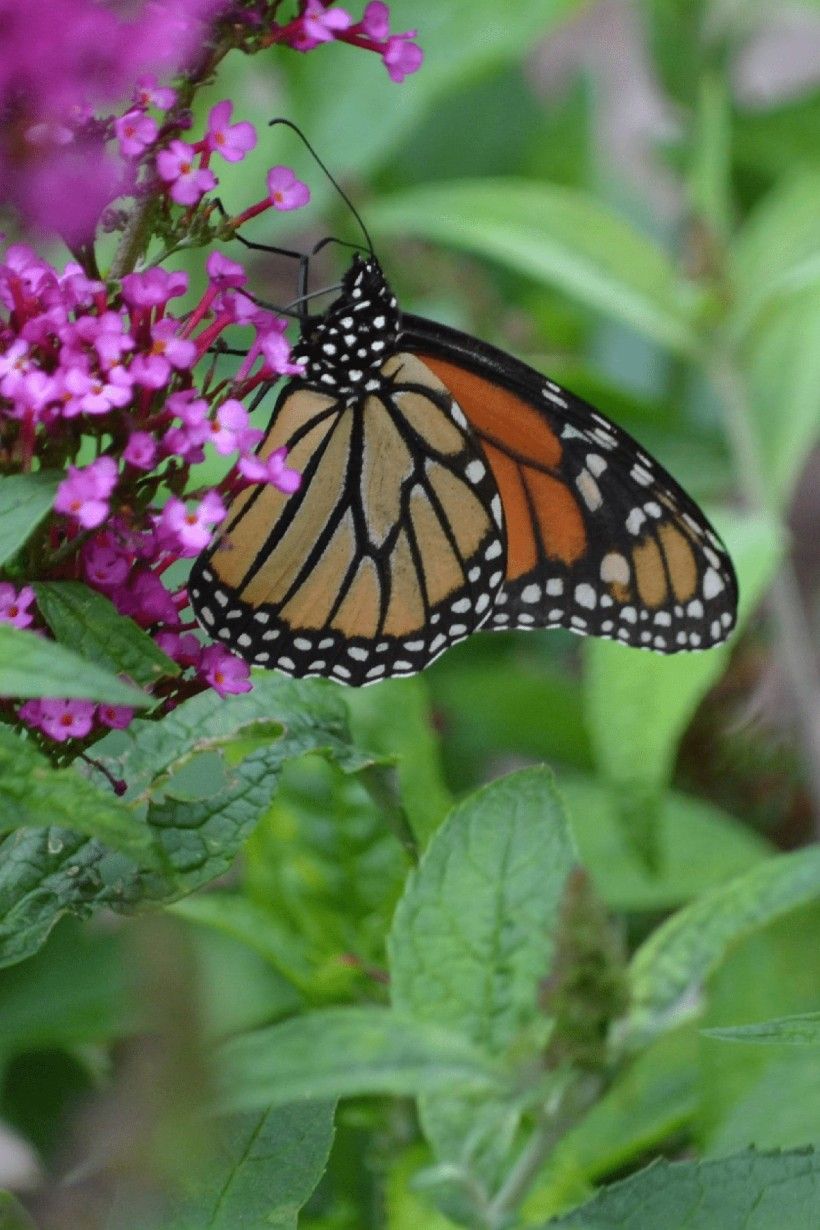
(600, 539)
(391, 551)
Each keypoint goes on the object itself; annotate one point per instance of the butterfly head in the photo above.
(344, 349)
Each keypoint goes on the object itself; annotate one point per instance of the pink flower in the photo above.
(135, 132)
(104, 566)
(153, 287)
(225, 672)
(149, 94)
(232, 141)
(176, 166)
(92, 394)
(106, 333)
(223, 272)
(183, 648)
(188, 531)
(146, 600)
(168, 351)
(65, 719)
(84, 494)
(271, 470)
(285, 190)
(401, 58)
(141, 450)
(230, 430)
(322, 25)
(14, 606)
(275, 350)
(115, 716)
(376, 20)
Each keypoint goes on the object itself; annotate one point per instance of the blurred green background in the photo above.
(627, 196)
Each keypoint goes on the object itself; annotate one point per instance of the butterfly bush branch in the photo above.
(110, 375)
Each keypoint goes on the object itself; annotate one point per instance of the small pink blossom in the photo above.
(232, 141)
(14, 605)
(149, 94)
(224, 273)
(65, 719)
(146, 600)
(285, 190)
(275, 350)
(376, 20)
(225, 672)
(84, 494)
(141, 450)
(92, 394)
(189, 530)
(271, 470)
(117, 717)
(168, 351)
(182, 648)
(153, 287)
(104, 566)
(230, 430)
(401, 58)
(188, 182)
(135, 131)
(321, 25)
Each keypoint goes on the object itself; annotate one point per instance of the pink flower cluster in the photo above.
(66, 62)
(84, 370)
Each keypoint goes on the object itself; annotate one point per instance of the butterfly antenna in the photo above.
(290, 124)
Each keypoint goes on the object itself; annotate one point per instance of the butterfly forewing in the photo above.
(391, 551)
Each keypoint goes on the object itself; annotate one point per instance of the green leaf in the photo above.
(473, 935)
(669, 967)
(751, 1191)
(32, 666)
(800, 1030)
(265, 1168)
(340, 1052)
(639, 705)
(90, 624)
(558, 236)
(33, 793)
(394, 720)
(473, 939)
(702, 847)
(24, 501)
(45, 874)
(653, 1100)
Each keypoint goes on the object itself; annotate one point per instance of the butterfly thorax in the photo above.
(344, 349)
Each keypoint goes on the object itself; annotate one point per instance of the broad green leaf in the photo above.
(800, 1030)
(750, 1191)
(558, 236)
(473, 935)
(340, 1052)
(87, 622)
(32, 666)
(394, 720)
(670, 967)
(45, 874)
(264, 1169)
(781, 1109)
(652, 1101)
(781, 366)
(24, 501)
(776, 253)
(35, 794)
(639, 705)
(473, 939)
(235, 915)
(701, 847)
(87, 974)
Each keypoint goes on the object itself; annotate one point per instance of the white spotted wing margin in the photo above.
(391, 551)
(650, 571)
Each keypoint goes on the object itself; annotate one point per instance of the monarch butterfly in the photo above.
(447, 488)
